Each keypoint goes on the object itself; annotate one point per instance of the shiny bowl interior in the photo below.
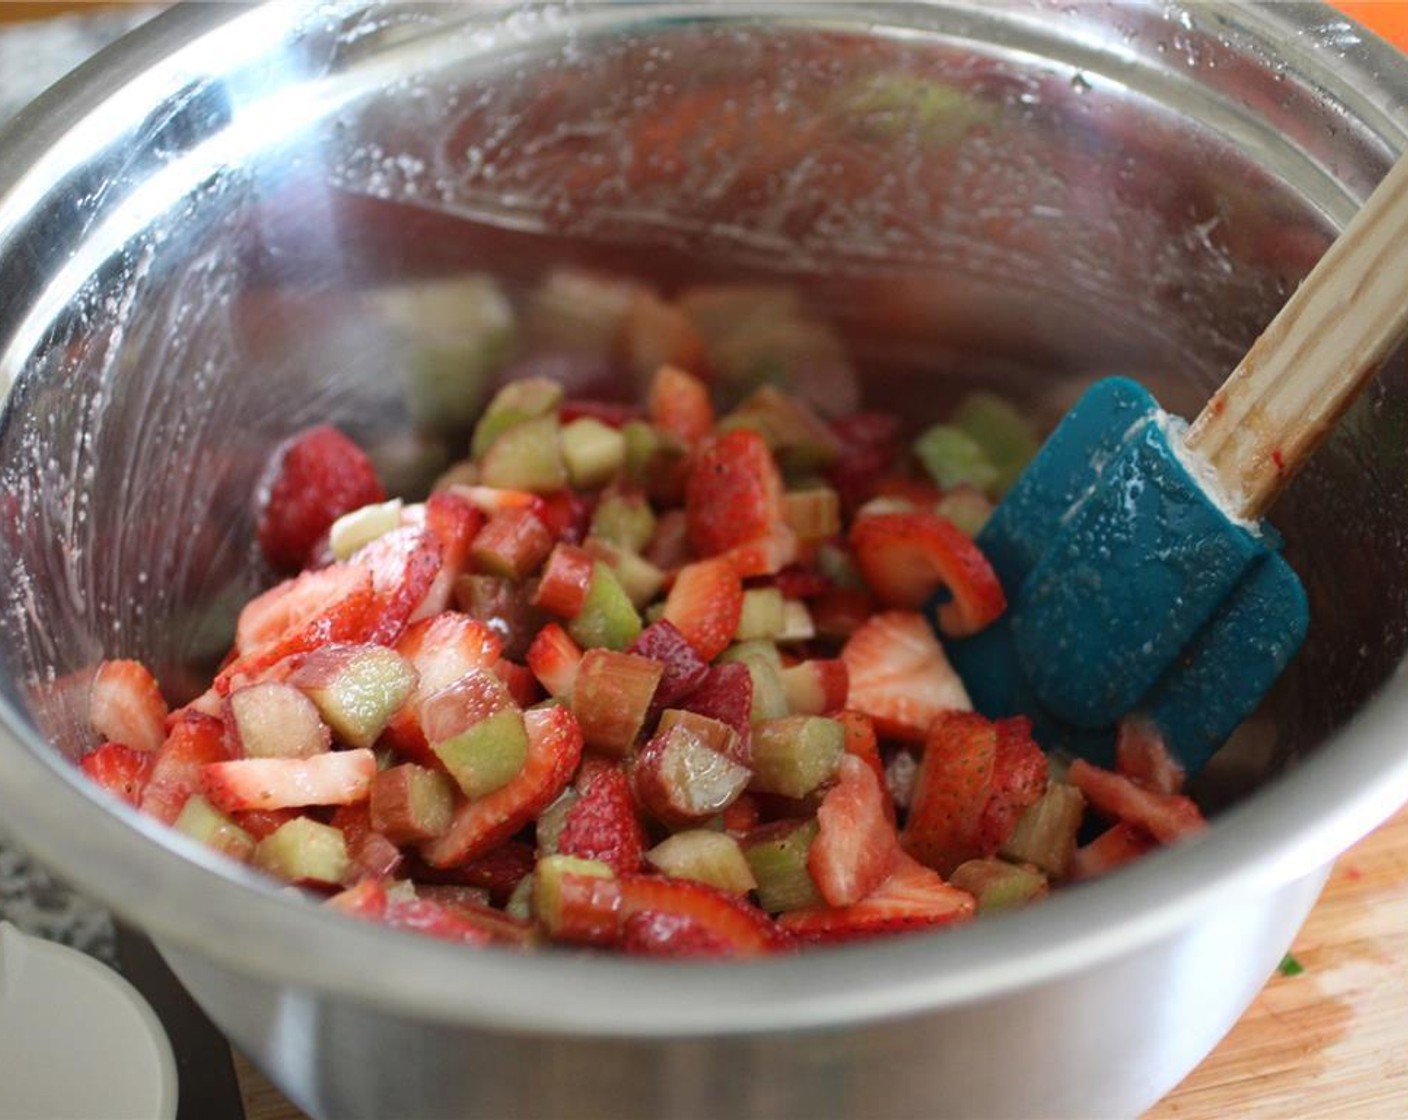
(1021, 197)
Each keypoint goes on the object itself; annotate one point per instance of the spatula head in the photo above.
(1130, 590)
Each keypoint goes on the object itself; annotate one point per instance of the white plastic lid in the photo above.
(77, 1041)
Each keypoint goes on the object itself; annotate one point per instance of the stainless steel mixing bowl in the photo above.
(197, 233)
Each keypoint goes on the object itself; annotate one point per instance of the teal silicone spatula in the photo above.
(1139, 574)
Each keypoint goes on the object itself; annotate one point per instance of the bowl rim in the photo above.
(246, 926)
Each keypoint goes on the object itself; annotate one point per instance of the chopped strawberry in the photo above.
(125, 705)
(660, 933)
(370, 901)
(919, 493)
(679, 404)
(1114, 847)
(862, 743)
(120, 770)
(1019, 775)
(899, 675)
(317, 477)
(737, 928)
(1165, 816)
(684, 669)
(498, 871)
(907, 557)
(260, 823)
(193, 742)
(603, 825)
(490, 500)
(403, 565)
(951, 791)
(742, 816)
(1142, 756)
(705, 604)
(454, 523)
(372, 854)
(913, 898)
(468, 904)
(522, 684)
(554, 658)
(839, 612)
(334, 778)
(726, 694)
(855, 847)
(797, 581)
(554, 749)
(562, 587)
(869, 443)
(567, 514)
(816, 687)
(733, 494)
(764, 555)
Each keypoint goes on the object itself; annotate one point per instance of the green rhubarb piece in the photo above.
(410, 804)
(488, 754)
(651, 454)
(608, 618)
(967, 508)
(997, 885)
(1006, 437)
(303, 850)
(641, 580)
(1045, 835)
(528, 399)
(794, 755)
(706, 857)
(528, 456)
(362, 695)
(547, 885)
(814, 514)
(200, 820)
(777, 856)
(713, 733)
(611, 698)
(764, 664)
(353, 530)
(762, 615)
(954, 458)
(593, 452)
(519, 903)
(746, 651)
(835, 563)
(624, 520)
(551, 820)
(797, 624)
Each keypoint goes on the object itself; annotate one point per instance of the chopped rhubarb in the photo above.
(608, 618)
(577, 900)
(125, 705)
(761, 616)
(276, 720)
(712, 858)
(612, 696)
(504, 606)
(997, 886)
(682, 781)
(516, 402)
(562, 587)
(477, 732)
(778, 855)
(814, 514)
(1045, 835)
(639, 578)
(304, 851)
(592, 452)
(360, 527)
(815, 688)
(1142, 756)
(624, 518)
(409, 803)
(526, 456)
(357, 689)
(794, 755)
(512, 544)
(201, 821)
(714, 734)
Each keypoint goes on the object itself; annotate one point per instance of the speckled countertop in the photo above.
(32, 57)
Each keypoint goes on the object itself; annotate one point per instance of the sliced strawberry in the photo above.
(899, 675)
(869, 443)
(468, 903)
(120, 770)
(317, 477)
(679, 404)
(603, 824)
(403, 565)
(1143, 757)
(555, 659)
(1019, 776)
(1165, 816)
(862, 743)
(765, 555)
(490, 500)
(193, 742)
(334, 778)
(855, 847)
(454, 523)
(742, 816)
(907, 557)
(373, 856)
(705, 604)
(733, 493)
(798, 581)
(659, 933)
(741, 929)
(370, 901)
(498, 871)
(562, 587)
(913, 898)
(839, 612)
(125, 705)
(684, 669)
(444, 648)
(726, 694)
(567, 514)
(522, 684)
(554, 750)
(1116, 846)
(951, 791)
(290, 606)
(260, 823)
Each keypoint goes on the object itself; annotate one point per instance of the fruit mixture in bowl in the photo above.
(663, 676)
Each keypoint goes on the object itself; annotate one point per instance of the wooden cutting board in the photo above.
(1329, 1042)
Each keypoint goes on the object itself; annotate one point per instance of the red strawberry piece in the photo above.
(951, 791)
(260, 823)
(669, 548)
(1113, 848)
(403, 565)
(1019, 776)
(444, 648)
(490, 500)
(466, 903)
(659, 933)
(366, 900)
(498, 871)
(120, 770)
(861, 742)
(454, 523)
(742, 816)
(855, 847)
(562, 587)
(567, 514)
(869, 443)
(603, 825)
(522, 684)
(425, 916)
(705, 604)
(125, 705)
(733, 493)
(797, 581)
(334, 778)
(906, 557)
(913, 898)
(1143, 757)
(917, 492)
(764, 555)
(193, 742)
(899, 675)
(317, 477)
(1165, 816)
(315, 609)
(684, 669)
(555, 659)
(839, 612)
(679, 404)
(372, 854)
(611, 413)
(554, 750)
(725, 694)
(741, 928)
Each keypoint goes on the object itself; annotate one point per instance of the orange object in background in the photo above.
(1388, 18)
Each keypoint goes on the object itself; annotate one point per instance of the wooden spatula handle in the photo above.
(1308, 366)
